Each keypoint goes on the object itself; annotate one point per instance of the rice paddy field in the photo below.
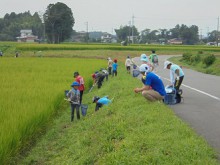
(32, 90)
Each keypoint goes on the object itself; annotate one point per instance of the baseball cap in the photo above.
(95, 98)
(166, 63)
(74, 84)
(144, 68)
(144, 58)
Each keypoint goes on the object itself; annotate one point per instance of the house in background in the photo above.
(175, 41)
(26, 36)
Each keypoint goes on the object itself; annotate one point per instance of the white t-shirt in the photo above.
(128, 62)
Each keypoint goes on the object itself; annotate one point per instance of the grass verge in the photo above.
(130, 130)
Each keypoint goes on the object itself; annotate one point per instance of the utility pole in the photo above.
(129, 35)
(132, 29)
(201, 34)
(217, 33)
(87, 32)
(207, 34)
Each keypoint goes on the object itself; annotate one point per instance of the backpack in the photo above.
(155, 59)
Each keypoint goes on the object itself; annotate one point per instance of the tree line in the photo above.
(189, 35)
(56, 25)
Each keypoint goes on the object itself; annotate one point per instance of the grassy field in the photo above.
(130, 130)
(213, 69)
(32, 89)
(34, 49)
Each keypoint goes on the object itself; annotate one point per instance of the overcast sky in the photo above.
(107, 15)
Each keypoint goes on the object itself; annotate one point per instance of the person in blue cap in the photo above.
(100, 101)
(74, 98)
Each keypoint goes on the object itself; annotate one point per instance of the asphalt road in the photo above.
(201, 105)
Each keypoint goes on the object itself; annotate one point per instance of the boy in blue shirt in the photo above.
(100, 101)
(114, 68)
(153, 88)
(74, 98)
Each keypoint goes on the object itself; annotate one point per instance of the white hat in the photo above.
(166, 63)
(144, 68)
(144, 58)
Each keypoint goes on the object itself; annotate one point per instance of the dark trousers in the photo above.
(73, 107)
(110, 70)
(98, 105)
(178, 83)
(81, 94)
(114, 73)
(100, 80)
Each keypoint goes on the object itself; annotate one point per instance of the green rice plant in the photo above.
(32, 89)
(137, 47)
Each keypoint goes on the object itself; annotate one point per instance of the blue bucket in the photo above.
(84, 108)
(170, 97)
(136, 73)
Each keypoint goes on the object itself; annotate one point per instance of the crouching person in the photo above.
(98, 78)
(153, 88)
(74, 98)
(100, 102)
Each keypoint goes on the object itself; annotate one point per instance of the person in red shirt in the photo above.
(80, 80)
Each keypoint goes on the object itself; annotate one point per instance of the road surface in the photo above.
(201, 106)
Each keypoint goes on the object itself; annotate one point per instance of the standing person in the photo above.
(128, 63)
(80, 80)
(175, 69)
(110, 62)
(154, 59)
(153, 88)
(74, 98)
(1, 53)
(145, 60)
(114, 68)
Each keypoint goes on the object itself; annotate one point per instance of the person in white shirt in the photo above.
(175, 70)
(128, 63)
(110, 62)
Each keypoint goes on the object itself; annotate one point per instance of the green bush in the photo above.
(209, 60)
(200, 52)
(195, 58)
(186, 56)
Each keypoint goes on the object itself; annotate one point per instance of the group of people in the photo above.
(153, 88)
(16, 54)
(75, 94)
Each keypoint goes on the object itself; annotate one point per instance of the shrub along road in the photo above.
(200, 108)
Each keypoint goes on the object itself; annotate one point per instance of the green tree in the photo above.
(125, 33)
(59, 21)
(11, 25)
(189, 35)
(212, 36)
